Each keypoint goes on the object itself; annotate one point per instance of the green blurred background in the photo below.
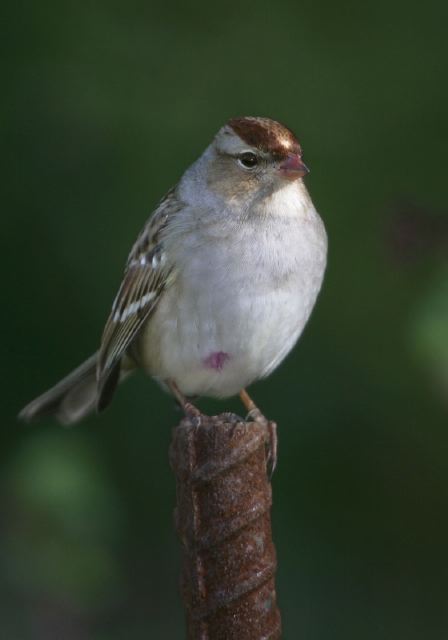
(103, 106)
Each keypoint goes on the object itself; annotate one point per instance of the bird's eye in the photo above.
(248, 160)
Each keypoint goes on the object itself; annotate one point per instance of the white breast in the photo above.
(243, 293)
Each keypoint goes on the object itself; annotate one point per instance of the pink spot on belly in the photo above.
(216, 360)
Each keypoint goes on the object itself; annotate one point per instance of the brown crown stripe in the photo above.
(265, 134)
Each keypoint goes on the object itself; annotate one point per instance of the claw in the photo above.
(272, 449)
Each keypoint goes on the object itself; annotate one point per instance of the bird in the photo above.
(218, 286)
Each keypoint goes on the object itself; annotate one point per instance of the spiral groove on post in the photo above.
(223, 521)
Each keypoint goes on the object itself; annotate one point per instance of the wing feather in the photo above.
(147, 274)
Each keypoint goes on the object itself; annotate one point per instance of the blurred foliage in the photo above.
(103, 106)
(430, 332)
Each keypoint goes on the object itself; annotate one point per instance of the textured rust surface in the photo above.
(223, 521)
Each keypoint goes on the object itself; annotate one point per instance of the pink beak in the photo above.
(293, 167)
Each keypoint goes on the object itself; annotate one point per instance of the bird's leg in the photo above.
(187, 407)
(256, 415)
(254, 412)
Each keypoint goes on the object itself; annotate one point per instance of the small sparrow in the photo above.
(220, 283)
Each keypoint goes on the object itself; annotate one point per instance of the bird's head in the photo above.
(254, 154)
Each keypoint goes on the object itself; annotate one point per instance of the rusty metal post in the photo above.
(223, 521)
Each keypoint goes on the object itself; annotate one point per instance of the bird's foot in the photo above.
(255, 415)
(191, 412)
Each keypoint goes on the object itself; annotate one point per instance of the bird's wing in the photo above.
(146, 275)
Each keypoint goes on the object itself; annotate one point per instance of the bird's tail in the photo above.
(70, 400)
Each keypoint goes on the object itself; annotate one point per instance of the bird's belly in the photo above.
(211, 342)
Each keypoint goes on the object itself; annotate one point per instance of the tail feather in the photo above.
(70, 400)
